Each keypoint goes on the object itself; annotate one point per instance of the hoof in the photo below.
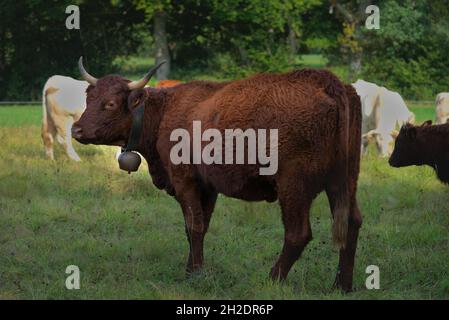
(339, 286)
(276, 276)
(195, 269)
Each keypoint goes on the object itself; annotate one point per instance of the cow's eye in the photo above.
(110, 105)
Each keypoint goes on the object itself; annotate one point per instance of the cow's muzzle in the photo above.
(79, 135)
(77, 132)
(393, 163)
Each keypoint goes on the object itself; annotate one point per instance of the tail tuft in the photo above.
(340, 225)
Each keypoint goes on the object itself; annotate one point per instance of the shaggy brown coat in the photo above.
(318, 120)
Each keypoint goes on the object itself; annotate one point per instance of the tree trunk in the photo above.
(355, 58)
(2, 62)
(160, 42)
(357, 18)
(355, 66)
(292, 41)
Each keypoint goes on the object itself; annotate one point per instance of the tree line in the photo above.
(227, 39)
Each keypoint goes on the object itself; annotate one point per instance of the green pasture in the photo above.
(128, 238)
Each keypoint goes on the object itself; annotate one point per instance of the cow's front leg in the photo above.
(190, 200)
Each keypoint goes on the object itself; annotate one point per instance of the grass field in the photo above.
(128, 238)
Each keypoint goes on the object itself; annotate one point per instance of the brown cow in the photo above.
(318, 121)
(423, 145)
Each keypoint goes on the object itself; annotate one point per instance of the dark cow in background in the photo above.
(318, 120)
(423, 145)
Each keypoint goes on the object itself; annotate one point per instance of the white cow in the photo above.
(382, 111)
(442, 109)
(63, 102)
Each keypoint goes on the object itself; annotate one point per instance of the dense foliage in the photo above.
(410, 51)
(228, 39)
(35, 44)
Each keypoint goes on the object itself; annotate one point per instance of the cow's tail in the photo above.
(337, 90)
(48, 89)
(44, 110)
(47, 125)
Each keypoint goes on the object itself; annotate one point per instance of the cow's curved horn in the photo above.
(91, 79)
(139, 84)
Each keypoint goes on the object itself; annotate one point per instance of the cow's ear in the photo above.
(394, 134)
(136, 98)
(427, 123)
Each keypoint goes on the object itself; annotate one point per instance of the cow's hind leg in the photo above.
(295, 200)
(364, 146)
(47, 132)
(64, 130)
(344, 275)
(47, 138)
